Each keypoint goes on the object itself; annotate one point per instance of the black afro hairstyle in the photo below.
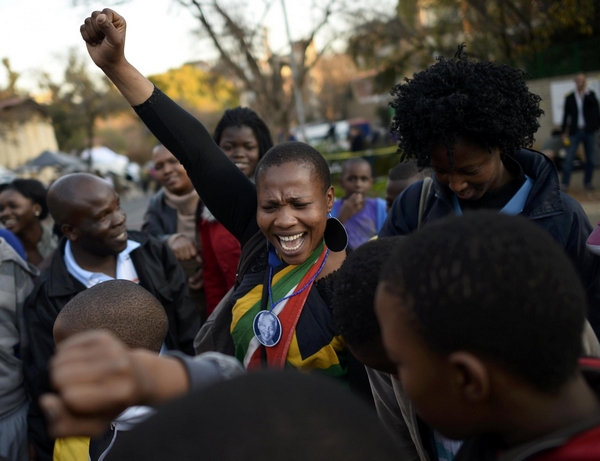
(300, 153)
(243, 116)
(122, 307)
(269, 415)
(495, 285)
(481, 102)
(354, 287)
(31, 189)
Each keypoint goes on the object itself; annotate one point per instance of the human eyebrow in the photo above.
(302, 199)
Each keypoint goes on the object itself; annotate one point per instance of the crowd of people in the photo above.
(256, 316)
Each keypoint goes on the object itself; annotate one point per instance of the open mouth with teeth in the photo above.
(121, 236)
(291, 242)
(8, 223)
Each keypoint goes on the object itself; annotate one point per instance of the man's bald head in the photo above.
(89, 214)
(71, 192)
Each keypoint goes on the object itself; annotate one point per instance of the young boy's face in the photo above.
(427, 377)
(357, 178)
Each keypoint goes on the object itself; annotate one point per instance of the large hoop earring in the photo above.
(335, 235)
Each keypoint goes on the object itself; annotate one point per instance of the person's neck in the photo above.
(333, 263)
(94, 263)
(31, 236)
(506, 176)
(535, 414)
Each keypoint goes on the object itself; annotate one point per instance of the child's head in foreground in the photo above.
(122, 307)
(356, 177)
(295, 417)
(353, 303)
(475, 311)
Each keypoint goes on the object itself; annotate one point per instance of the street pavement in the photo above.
(134, 205)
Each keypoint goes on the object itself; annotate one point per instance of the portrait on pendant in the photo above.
(267, 328)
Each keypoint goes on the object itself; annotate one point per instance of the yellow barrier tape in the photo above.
(363, 153)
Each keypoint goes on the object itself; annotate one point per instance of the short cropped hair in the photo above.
(300, 153)
(122, 307)
(481, 102)
(355, 161)
(292, 416)
(244, 116)
(497, 286)
(403, 170)
(355, 285)
(31, 189)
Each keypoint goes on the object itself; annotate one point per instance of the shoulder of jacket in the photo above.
(158, 198)
(143, 238)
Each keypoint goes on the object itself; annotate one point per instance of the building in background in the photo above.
(25, 131)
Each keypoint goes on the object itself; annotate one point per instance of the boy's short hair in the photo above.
(355, 285)
(496, 286)
(263, 415)
(122, 307)
(355, 161)
(403, 170)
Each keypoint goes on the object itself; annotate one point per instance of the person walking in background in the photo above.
(581, 119)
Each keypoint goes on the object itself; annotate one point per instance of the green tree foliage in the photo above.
(77, 102)
(197, 89)
(510, 31)
(10, 90)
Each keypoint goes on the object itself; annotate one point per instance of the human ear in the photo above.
(37, 209)
(330, 197)
(471, 376)
(70, 232)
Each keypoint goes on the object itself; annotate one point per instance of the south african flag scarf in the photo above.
(287, 352)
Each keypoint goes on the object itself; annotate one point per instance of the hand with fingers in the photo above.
(184, 248)
(104, 35)
(96, 377)
(351, 206)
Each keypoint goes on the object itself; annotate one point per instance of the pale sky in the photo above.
(36, 33)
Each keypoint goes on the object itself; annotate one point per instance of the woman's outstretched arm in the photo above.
(224, 189)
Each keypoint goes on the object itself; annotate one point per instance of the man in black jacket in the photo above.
(581, 119)
(97, 247)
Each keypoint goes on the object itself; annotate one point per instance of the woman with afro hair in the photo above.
(472, 123)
